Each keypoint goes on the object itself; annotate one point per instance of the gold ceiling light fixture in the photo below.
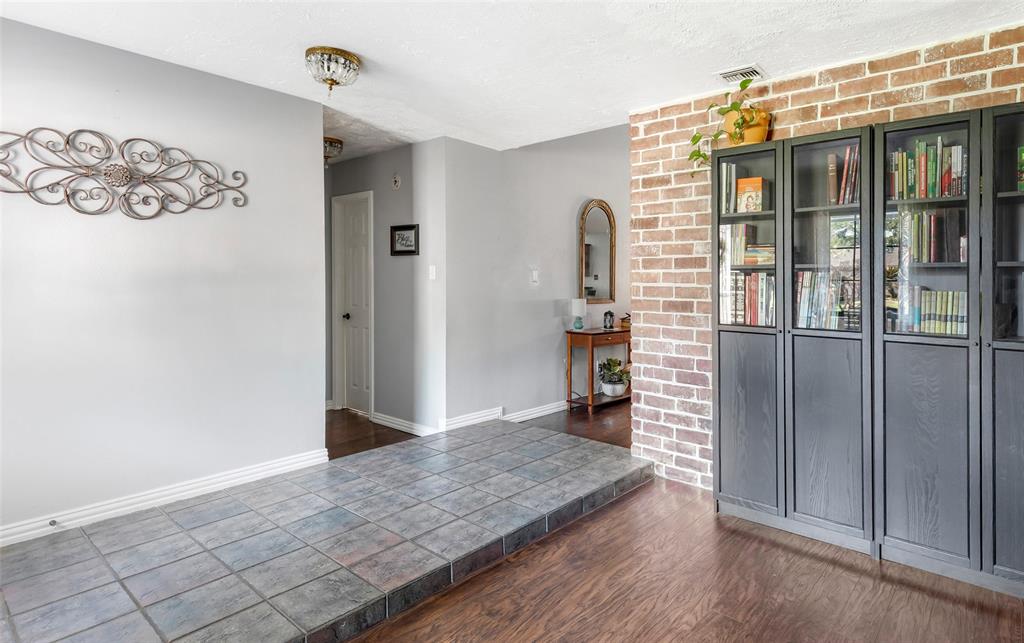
(332, 147)
(332, 66)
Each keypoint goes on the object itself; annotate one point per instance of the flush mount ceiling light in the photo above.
(332, 66)
(332, 148)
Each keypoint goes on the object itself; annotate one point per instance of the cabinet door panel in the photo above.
(747, 423)
(1009, 460)
(828, 430)
(927, 492)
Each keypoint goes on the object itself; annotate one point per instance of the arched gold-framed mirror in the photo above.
(596, 253)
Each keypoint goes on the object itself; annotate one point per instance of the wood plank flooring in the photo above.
(659, 565)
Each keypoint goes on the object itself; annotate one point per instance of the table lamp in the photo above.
(579, 311)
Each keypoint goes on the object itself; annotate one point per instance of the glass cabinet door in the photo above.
(926, 232)
(1008, 229)
(746, 238)
(826, 236)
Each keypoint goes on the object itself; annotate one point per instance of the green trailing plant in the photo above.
(730, 104)
(611, 371)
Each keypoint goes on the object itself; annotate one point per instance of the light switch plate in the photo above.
(432, 272)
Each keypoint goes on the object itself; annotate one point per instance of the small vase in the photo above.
(756, 132)
(613, 390)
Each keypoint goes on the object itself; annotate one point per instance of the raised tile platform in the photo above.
(318, 554)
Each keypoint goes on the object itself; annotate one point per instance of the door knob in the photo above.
(346, 316)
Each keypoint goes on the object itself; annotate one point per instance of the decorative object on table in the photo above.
(609, 320)
(596, 253)
(743, 123)
(578, 309)
(625, 322)
(332, 148)
(614, 378)
(332, 66)
(86, 171)
(405, 240)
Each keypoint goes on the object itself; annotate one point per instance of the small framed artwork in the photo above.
(405, 240)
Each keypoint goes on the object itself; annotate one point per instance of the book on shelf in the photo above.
(752, 300)
(930, 312)
(818, 301)
(842, 182)
(748, 194)
(935, 235)
(928, 170)
(736, 195)
(1020, 169)
(743, 249)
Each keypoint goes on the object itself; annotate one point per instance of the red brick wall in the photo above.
(670, 214)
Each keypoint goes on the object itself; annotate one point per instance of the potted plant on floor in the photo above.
(743, 123)
(614, 377)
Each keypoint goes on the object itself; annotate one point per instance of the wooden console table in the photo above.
(590, 338)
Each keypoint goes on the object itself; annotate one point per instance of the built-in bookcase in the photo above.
(868, 382)
(1003, 337)
(826, 240)
(747, 325)
(926, 356)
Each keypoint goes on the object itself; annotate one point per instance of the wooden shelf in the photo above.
(1016, 194)
(754, 267)
(763, 214)
(939, 265)
(830, 208)
(937, 199)
(600, 399)
(1010, 264)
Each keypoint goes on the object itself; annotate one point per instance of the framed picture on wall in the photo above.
(405, 240)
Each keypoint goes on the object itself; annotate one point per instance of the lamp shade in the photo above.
(578, 307)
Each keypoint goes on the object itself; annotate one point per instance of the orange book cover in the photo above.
(749, 192)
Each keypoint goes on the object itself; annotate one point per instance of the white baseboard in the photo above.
(535, 412)
(35, 527)
(331, 407)
(473, 418)
(403, 425)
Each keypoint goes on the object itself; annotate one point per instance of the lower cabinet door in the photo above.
(927, 450)
(827, 433)
(1008, 437)
(748, 420)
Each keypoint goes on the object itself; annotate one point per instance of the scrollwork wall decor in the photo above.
(87, 172)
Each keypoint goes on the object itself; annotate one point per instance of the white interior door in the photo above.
(351, 232)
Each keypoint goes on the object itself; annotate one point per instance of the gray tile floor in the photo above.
(321, 553)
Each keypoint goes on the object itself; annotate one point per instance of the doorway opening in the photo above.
(352, 302)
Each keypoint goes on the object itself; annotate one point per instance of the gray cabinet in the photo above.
(869, 345)
(1002, 416)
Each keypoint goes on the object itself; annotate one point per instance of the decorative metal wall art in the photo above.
(86, 171)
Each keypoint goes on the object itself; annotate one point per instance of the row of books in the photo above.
(743, 248)
(928, 171)
(752, 301)
(933, 312)
(737, 194)
(934, 236)
(845, 191)
(818, 299)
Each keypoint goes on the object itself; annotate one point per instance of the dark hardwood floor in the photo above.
(349, 432)
(659, 565)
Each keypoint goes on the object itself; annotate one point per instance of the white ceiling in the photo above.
(506, 74)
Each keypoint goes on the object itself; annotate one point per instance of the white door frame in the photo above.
(338, 377)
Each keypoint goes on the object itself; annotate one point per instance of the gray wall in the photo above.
(408, 333)
(138, 354)
(481, 335)
(509, 212)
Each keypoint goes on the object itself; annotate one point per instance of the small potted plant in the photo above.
(743, 123)
(614, 377)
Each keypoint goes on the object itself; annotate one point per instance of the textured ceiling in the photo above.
(507, 74)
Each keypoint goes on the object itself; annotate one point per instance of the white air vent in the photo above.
(753, 72)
